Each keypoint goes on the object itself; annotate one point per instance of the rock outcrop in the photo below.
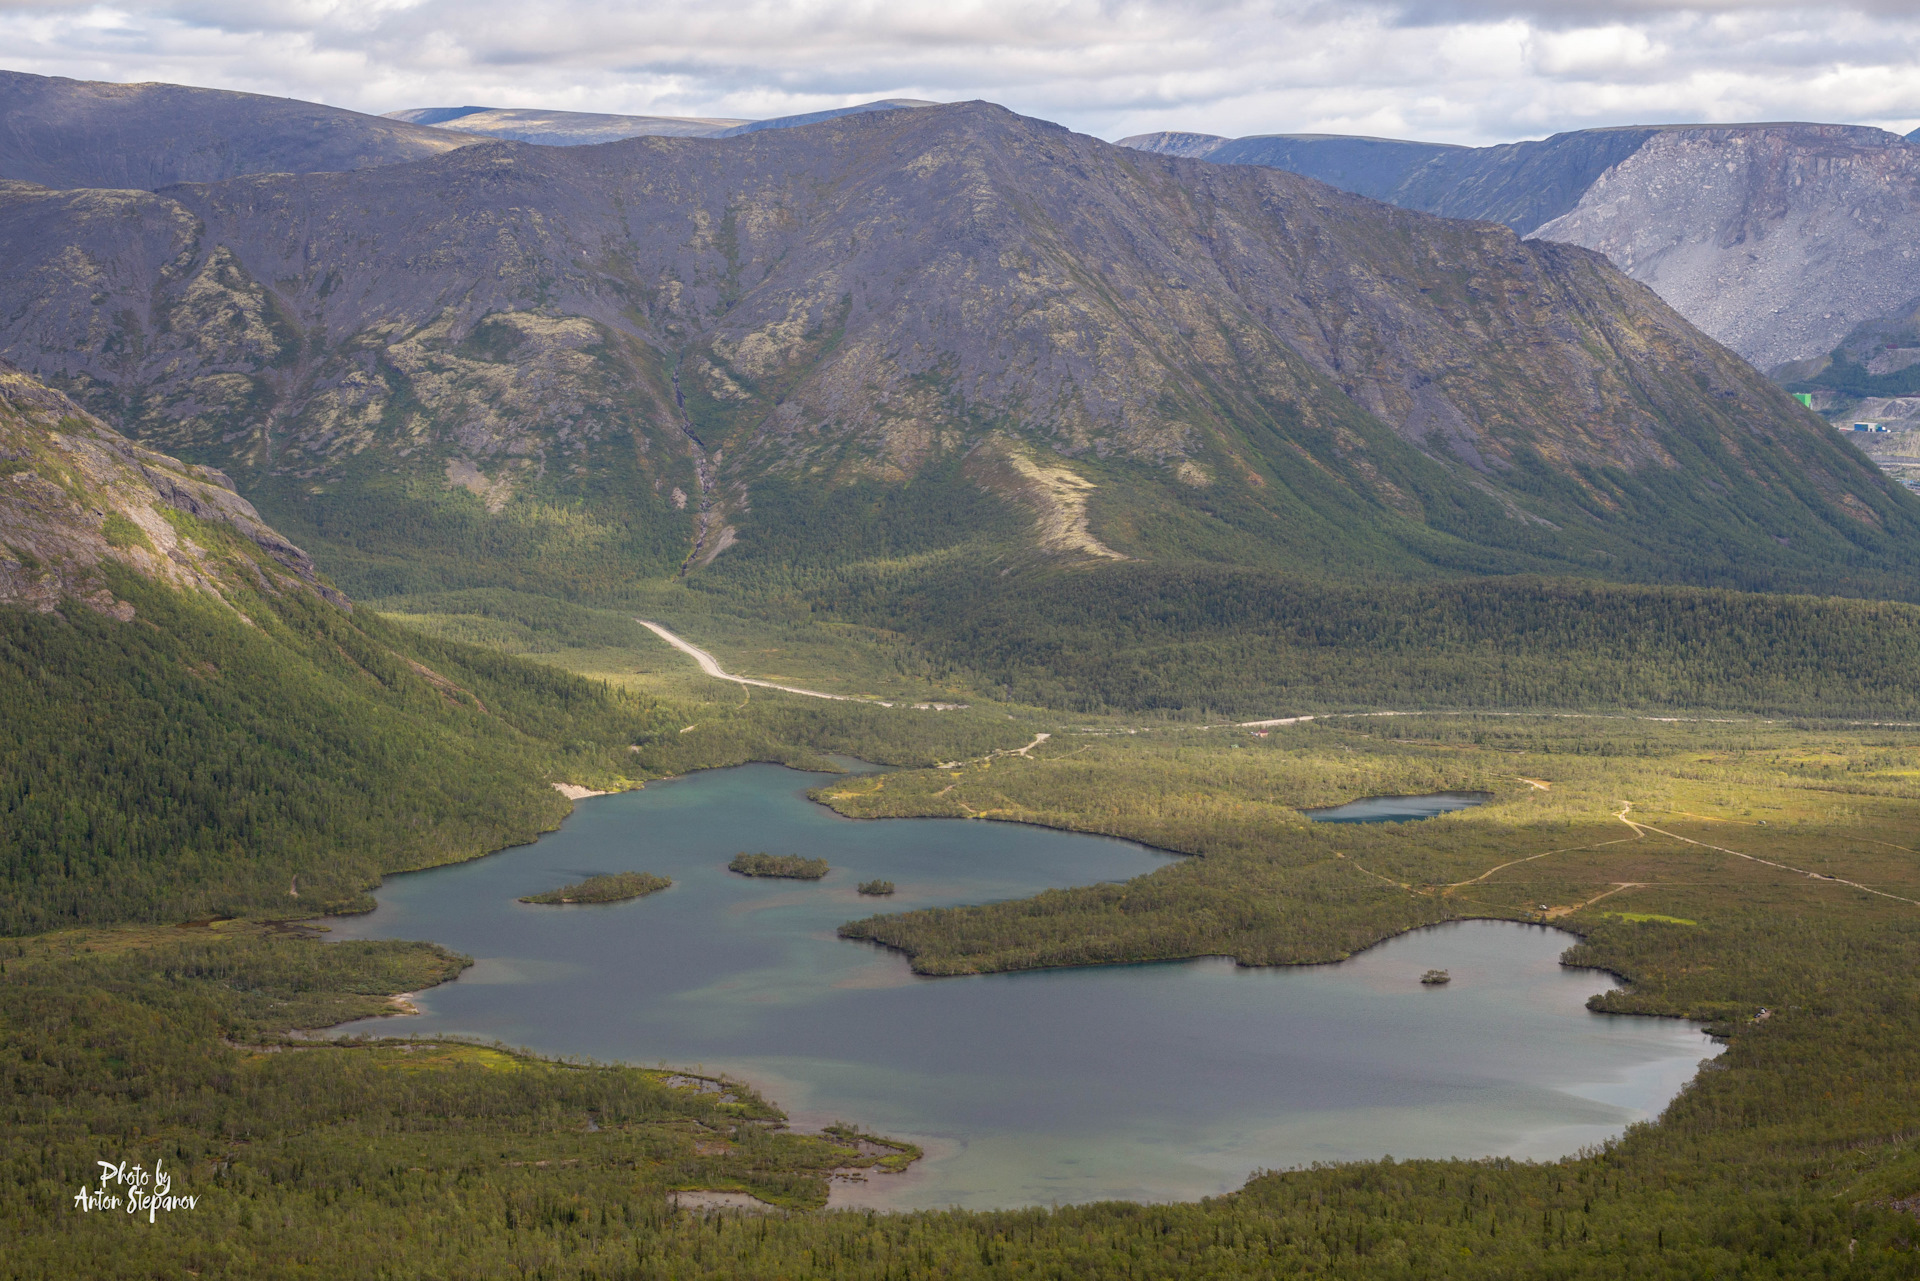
(75, 496)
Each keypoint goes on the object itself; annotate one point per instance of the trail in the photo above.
(1004, 751)
(711, 666)
(1555, 913)
(1454, 885)
(1754, 858)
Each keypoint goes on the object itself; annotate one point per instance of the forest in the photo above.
(1791, 1155)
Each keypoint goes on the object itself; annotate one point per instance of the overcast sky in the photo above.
(1472, 71)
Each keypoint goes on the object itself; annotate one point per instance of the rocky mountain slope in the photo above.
(1776, 239)
(557, 368)
(82, 133)
(77, 496)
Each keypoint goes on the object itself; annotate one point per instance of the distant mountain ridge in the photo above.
(1777, 239)
(561, 128)
(553, 368)
(581, 128)
(81, 133)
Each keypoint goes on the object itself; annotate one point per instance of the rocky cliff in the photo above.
(82, 133)
(1776, 239)
(75, 496)
(610, 354)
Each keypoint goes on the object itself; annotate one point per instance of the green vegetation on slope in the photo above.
(193, 762)
(351, 1159)
(1211, 640)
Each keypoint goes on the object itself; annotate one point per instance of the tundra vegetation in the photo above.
(616, 887)
(1723, 867)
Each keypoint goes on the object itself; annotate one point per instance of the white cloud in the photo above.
(1471, 71)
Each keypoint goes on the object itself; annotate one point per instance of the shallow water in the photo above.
(1150, 1082)
(1398, 809)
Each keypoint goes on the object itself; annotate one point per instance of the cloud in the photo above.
(1470, 71)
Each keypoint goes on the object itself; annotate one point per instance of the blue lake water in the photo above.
(1151, 1082)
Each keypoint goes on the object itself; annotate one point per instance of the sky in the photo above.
(1466, 71)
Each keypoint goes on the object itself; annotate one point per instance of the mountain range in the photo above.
(83, 133)
(522, 365)
(582, 128)
(1776, 239)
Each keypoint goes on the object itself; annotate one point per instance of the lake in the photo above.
(1148, 1082)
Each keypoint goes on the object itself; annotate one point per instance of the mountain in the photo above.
(1191, 146)
(561, 128)
(897, 334)
(1776, 239)
(82, 133)
(579, 128)
(815, 117)
(197, 723)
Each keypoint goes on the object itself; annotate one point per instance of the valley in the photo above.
(1098, 518)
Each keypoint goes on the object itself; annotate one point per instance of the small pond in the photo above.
(1398, 809)
(1151, 1082)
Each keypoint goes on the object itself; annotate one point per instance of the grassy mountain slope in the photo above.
(514, 365)
(198, 724)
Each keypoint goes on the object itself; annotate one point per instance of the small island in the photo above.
(616, 888)
(1434, 978)
(791, 866)
(876, 889)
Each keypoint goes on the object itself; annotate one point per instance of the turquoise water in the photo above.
(1151, 1082)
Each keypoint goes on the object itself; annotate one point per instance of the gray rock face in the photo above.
(1193, 146)
(1776, 239)
(857, 300)
(81, 133)
(562, 128)
(75, 494)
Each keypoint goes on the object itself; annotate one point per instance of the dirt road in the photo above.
(711, 666)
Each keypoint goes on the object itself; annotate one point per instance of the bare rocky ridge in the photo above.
(75, 495)
(1777, 239)
(858, 299)
(83, 133)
